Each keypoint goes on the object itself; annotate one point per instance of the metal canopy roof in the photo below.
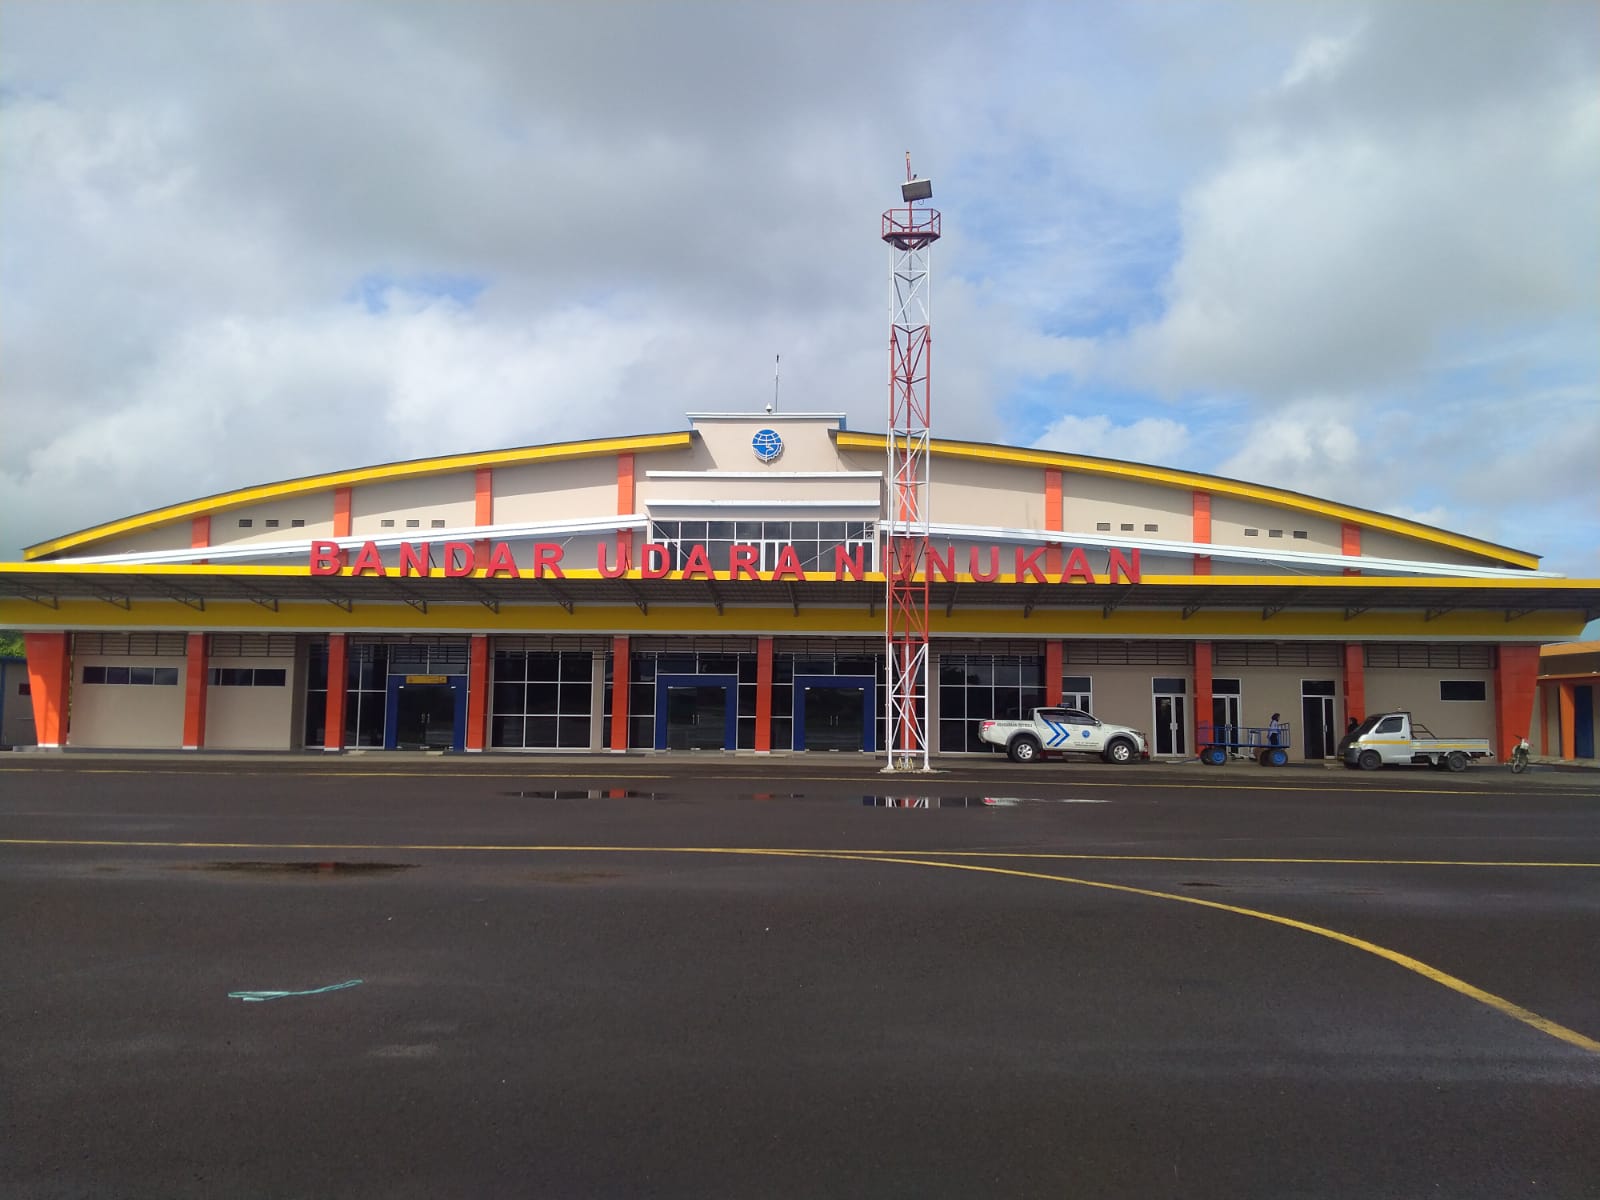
(268, 586)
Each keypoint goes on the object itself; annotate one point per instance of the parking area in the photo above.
(795, 977)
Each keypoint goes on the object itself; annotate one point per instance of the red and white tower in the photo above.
(910, 233)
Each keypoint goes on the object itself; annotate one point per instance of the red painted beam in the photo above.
(333, 727)
(477, 692)
(619, 694)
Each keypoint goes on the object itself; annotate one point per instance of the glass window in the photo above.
(116, 674)
(1169, 684)
(1389, 725)
(1462, 689)
(265, 677)
(94, 674)
(145, 675)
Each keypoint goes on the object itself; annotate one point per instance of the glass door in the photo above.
(1170, 696)
(1318, 732)
(426, 712)
(835, 712)
(696, 712)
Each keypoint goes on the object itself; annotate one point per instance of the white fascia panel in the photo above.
(763, 474)
(768, 416)
(746, 502)
(1281, 558)
(254, 550)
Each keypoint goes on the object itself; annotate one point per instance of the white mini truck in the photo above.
(1064, 731)
(1394, 739)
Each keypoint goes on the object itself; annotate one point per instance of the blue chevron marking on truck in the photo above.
(1058, 733)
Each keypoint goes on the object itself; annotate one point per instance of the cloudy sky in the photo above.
(1351, 249)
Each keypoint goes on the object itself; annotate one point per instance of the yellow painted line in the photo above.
(1498, 1003)
(886, 855)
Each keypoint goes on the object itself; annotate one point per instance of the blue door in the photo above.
(1583, 721)
(697, 712)
(425, 712)
(835, 712)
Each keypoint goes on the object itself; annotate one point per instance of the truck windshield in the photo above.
(1367, 726)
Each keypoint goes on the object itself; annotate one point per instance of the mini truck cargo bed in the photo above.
(1064, 731)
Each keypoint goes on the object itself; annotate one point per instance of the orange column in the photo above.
(1202, 531)
(477, 692)
(625, 502)
(482, 514)
(194, 693)
(619, 694)
(341, 528)
(50, 685)
(1350, 544)
(333, 727)
(1202, 689)
(1052, 671)
(1054, 518)
(763, 694)
(1516, 678)
(1355, 682)
(200, 534)
(1567, 708)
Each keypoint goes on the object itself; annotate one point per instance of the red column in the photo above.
(333, 727)
(1355, 682)
(1052, 671)
(1202, 531)
(477, 692)
(1202, 688)
(1350, 544)
(763, 694)
(619, 694)
(1516, 678)
(50, 685)
(194, 693)
(1567, 708)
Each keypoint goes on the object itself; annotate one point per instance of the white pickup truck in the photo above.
(1064, 730)
(1394, 739)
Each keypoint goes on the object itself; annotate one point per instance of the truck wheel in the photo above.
(1214, 756)
(1120, 751)
(1370, 760)
(1456, 761)
(1024, 749)
(1275, 757)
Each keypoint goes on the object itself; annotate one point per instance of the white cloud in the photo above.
(1154, 440)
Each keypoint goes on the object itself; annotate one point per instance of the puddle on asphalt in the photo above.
(967, 801)
(303, 868)
(583, 794)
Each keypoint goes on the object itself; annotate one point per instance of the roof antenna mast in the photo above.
(776, 360)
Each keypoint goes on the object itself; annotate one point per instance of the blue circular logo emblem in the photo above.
(768, 445)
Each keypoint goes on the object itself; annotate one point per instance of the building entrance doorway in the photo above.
(1170, 696)
(697, 712)
(835, 712)
(426, 712)
(1320, 735)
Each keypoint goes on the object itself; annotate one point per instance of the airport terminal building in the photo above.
(721, 588)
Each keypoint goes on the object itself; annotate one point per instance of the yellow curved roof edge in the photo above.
(1211, 483)
(384, 473)
(1365, 582)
